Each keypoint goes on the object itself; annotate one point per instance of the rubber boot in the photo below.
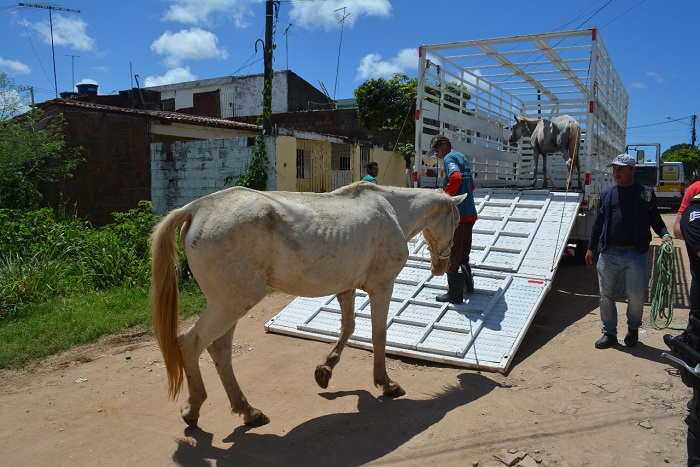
(468, 279)
(455, 285)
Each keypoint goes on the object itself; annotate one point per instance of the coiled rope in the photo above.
(663, 290)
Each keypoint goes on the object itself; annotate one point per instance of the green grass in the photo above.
(42, 329)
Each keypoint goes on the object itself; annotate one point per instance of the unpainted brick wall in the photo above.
(117, 172)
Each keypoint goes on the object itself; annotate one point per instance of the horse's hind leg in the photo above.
(324, 372)
(380, 298)
(220, 351)
(210, 326)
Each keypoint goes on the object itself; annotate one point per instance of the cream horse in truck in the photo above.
(238, 240)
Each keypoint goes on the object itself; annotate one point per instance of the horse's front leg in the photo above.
(324, 372)
(544, 171)
(221, 353)
(535, 158)
(379, 299)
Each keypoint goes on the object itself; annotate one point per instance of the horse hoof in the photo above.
(258, 419)
(192, 422)
(190, 416)
(323, 375)
(394, 390)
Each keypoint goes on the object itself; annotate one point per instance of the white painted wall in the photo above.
(184, 171)
(246, 91)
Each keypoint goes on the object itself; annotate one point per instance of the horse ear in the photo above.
(458, 199)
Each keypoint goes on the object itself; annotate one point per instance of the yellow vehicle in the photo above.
(666, 178)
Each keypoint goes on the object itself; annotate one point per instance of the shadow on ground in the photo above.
(379, 426)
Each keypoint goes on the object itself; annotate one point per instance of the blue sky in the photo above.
(653, 43)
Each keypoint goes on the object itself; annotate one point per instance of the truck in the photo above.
(666, 178)
(471, 91)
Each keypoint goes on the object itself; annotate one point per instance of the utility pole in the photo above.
(342, 24)
(72, 67)
(693, 119)
(267, 59)
(53, 54)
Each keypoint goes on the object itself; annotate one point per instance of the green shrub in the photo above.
(45, 257)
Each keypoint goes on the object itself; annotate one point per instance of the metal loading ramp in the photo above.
(517, 244)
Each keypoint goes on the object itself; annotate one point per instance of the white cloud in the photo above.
(325, 15)
(13, 67)
(208, 11)
(67, 31)
(638, 85)
(191, 44)
(176, 75)
(372, 66)
(655, 76)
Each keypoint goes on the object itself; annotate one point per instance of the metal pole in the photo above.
(53, 54)
(693, 119)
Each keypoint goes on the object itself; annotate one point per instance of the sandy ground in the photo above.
(563, 402)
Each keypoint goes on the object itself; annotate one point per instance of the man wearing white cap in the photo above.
(621, 231)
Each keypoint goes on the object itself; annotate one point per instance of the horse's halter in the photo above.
(448, 249)
(526, 131)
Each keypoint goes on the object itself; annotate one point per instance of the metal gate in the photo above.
(313, 167)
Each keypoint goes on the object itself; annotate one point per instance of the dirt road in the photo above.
(563, 402)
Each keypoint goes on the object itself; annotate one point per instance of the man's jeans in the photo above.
(611, 265)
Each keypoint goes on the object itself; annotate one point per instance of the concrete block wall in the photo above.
(186, 170)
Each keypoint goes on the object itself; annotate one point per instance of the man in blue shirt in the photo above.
(621, 230)
(372, 172)
(458, 180)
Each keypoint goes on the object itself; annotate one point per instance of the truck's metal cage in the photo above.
(470, 91)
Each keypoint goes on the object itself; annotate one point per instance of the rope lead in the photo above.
(663, 289)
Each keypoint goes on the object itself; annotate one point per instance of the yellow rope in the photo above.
(663, 289)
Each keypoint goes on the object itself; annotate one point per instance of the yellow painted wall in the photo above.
(392, 169)
(286, 160)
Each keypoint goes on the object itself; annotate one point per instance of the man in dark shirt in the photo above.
(627, 210)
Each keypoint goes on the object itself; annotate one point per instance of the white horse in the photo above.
(238, 240)
(562, 133)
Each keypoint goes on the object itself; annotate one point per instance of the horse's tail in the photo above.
(574, 142)
(164, 296)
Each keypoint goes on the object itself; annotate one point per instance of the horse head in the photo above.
(518, 130)
(439, 235)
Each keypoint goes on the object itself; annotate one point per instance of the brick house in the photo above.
(117, 142)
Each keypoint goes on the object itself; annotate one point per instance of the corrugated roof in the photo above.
(159, 114)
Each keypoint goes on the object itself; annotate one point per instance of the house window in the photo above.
(303, 164)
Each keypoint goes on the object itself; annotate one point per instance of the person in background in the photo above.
(372, 172)
(458, 180)
(621, 229)
(689, 194)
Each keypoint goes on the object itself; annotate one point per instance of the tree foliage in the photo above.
(32, 151)
(388, 105)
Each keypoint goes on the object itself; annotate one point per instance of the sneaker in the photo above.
(605, 342)
(632, 337)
